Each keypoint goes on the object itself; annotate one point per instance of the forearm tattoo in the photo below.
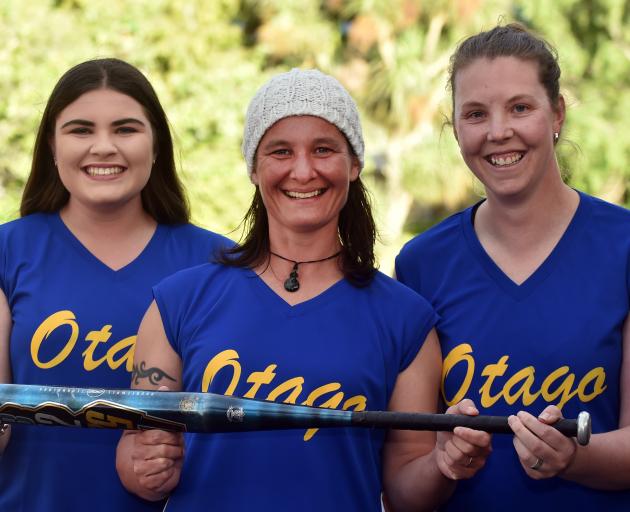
(155, 375)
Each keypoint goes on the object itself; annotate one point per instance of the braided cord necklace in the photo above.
(291, 284)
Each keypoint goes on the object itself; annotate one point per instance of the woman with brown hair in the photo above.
(532, 285)
(104, 217)
(299, 314)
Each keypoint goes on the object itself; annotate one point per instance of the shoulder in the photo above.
(195, 277)
(394, 297)
(195, 234)
(25, 229)
(401, 316)
(22, 224)
(432, 250)
(607, 212)
(434, 239)
(606, 224)
(194, 290)
(194, 244)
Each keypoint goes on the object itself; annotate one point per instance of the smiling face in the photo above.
(303, 170)
(505, 124)
(103, 146)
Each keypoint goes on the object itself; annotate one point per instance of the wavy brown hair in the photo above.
(163, 197)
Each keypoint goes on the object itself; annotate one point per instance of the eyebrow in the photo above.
(275, 143)
(521, 97)
(118, 122)
(471, 104)
(518, 97)
(328, 140)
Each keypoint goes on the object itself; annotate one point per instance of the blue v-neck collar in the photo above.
(58, 226)
(520, 291)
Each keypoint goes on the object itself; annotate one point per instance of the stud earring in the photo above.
(556, 136)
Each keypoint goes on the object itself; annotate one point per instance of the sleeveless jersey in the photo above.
(74, 324)
(342, 349)
(554, 339)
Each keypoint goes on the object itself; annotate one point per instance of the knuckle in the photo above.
(538, 446)
(165, 464)
(548, 435)
(467, 402)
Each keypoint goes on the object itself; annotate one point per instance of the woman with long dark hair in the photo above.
(104, 217)
(298, 314)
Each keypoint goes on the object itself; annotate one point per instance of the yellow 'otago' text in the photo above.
(329, 395)
(557, 388)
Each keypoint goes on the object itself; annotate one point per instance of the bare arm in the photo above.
(149, 463)
(603, 464)
(418, 473)
(5, 360)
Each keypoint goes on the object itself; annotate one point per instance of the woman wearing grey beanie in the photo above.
(298, 314)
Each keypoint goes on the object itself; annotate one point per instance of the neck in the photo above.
(301, 265)
(108, 223)
(304, 246)
(526, 219)
(115, 237)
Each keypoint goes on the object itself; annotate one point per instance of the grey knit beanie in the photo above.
(301, 93)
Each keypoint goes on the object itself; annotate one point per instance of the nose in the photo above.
(103, 145)
(303, 168)
(499, 128)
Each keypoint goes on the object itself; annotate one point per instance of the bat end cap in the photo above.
(583, 428)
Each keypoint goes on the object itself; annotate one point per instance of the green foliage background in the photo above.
(206, 58)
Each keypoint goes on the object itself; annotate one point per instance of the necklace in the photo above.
(292, 284)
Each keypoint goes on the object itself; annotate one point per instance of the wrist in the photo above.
(566, 472)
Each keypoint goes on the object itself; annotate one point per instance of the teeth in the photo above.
(506, 160)
(103, 171)
(304, 195)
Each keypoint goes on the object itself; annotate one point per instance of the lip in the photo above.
(303, 195)
(504, 155)
(504, 152)
(104, 170)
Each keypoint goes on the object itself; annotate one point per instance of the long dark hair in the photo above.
(357, 233)
(163, 197)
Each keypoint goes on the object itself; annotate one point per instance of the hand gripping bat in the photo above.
(136, 409)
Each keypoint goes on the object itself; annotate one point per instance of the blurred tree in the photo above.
(593, 40)
(206, 58)
(405, 46)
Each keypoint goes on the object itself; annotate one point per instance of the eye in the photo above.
(281, 152)
(80, 130)
(323, 150)
(126, 130)
(474, 115)
(521, 108)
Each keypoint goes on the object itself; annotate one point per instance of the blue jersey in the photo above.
(74, 324)
(342, 350)
(555, 339)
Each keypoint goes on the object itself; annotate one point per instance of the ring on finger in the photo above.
(537, 465)
(470, 460)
